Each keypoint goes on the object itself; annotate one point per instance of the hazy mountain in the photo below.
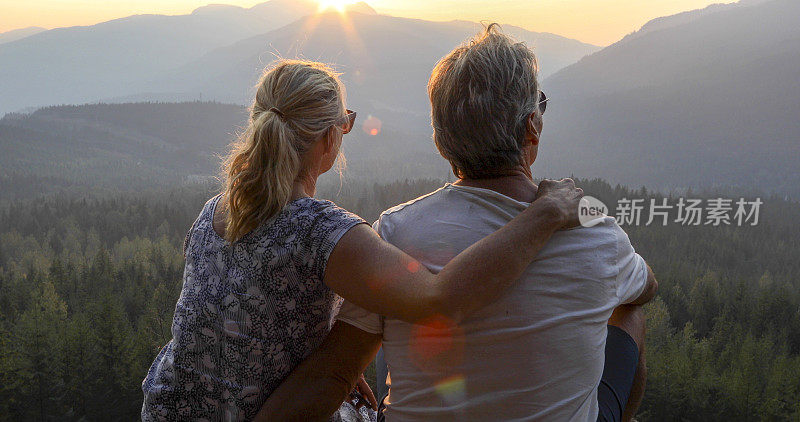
(386, 61)
(713, 100)
(131, 57)
(665, 22)
(700, 99)
(18, 34)
(87, 63)
(131, 147)
(112, 147)
(670, 21)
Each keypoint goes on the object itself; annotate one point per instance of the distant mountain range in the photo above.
(700, 99)
(704, 98)
(132, 57)
(140, 146)
(112, 147)
(386, 60)
(19, 34)
(88, 63)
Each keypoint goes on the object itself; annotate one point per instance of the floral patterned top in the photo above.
(248, 313)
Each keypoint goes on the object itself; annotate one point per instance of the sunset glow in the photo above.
(596, 22)
(338, 5)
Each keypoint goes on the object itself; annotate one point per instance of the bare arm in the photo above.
(650, 289)
(319, 385)
(380, 278)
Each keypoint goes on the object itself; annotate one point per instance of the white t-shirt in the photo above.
(537, 353)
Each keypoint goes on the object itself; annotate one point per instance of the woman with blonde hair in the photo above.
(267, 263)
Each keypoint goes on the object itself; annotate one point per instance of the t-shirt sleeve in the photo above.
(631, 269)
(327, 229)
(360, 318)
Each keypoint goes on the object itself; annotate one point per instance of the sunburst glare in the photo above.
(338, 5)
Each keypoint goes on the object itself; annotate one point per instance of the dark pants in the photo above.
(622, 358)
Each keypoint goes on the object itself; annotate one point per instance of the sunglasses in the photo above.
(347, 122)
(542, 102)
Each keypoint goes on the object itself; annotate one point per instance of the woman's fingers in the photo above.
(365, 391)
(565, 198)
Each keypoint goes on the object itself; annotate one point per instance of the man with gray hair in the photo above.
(565, 343)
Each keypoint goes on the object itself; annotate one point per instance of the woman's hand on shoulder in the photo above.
(561, 198)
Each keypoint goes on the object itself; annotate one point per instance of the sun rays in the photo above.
(338, 5)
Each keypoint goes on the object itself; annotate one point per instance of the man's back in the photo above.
(535, 354)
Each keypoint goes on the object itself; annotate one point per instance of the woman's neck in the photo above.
(518, 184)
(304, 186)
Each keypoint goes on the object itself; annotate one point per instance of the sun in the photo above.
(338, 5)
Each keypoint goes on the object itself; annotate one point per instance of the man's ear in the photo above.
(533, 127)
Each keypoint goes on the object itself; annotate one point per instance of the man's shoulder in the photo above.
(606, 242)
(604, 233)
(604, 225)
(424, 201)
(592, 253)
(396, 218)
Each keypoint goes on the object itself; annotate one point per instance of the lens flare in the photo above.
(452, 389)
(372, 126)
(433, 336)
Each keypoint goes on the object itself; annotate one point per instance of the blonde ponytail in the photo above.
(296, 104)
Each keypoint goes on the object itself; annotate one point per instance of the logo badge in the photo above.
(591, 211)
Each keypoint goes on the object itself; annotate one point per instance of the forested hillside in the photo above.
(112, 147)
(106, 148)
(88, 287)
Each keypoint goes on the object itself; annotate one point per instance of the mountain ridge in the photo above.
(386, 60)
(18, 34)
(91, 63)
(684, 105)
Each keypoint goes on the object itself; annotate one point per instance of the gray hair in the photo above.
(481, 96)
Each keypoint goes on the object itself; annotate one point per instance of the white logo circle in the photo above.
(591, 211)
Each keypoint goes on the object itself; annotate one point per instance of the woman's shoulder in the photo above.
(324, 223)
(202, 224)
(208, 208)
(210, 215)
(322, 211)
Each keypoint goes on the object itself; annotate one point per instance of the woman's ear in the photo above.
(533, 128)
(330, 140)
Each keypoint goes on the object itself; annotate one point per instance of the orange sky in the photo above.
(595, 21)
